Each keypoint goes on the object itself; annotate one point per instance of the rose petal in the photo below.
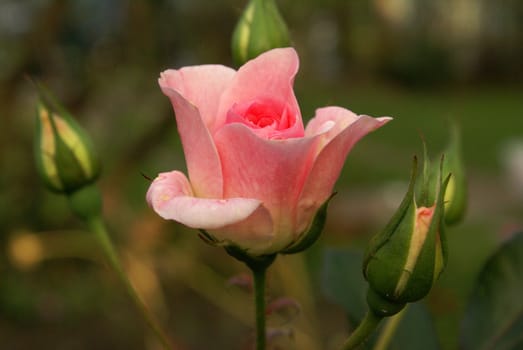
(203, 163)
(202, 86)
(337, 140)
(254, 234)
(330, 121)
(171, 197)
(274, 171)
(270, 75)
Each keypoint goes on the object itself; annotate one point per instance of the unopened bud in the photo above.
(260, 28)
(403, 261)
(455, 200)
(456, 193)
(64, 153)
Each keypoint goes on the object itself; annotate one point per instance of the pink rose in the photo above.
(257, 176)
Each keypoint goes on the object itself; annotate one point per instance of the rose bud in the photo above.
(64, 154)
(402, 262)
(260, 28)
(456, 193)
(455, 201)
(258, 179)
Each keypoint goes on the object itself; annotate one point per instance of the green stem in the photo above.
(97, 225)
(360, 334)
(388, 331)
(259, 301)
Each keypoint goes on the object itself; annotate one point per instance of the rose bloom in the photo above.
(256, 176)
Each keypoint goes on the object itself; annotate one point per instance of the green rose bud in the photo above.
(64, 154)
(260, 28)
(456, 193)
(455, 200)
(402, 263)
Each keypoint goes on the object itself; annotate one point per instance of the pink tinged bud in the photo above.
(403, 262)
(423, 218)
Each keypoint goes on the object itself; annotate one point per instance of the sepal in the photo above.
(255, 263)
(456, 193)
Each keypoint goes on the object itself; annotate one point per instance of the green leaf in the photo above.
(494, 315)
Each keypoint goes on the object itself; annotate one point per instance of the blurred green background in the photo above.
(420, 61)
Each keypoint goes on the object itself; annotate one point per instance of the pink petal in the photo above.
(203, 163)
(339, 130)
(202, 86)
(273, 171)
(270, 75)
(243, 221)
(330, 121)
(254, 234)
(268, 118)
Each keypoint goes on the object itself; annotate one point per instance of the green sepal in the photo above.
(314, 232)
(50, 102)
(383, 237)
(381, 306)
(455, 200)
(441, 211)
(457, 190)
(86, 202)
(255, 263)
(386, 266)
(70, 171)
(424, 190)
(51, 182)
(208, 238)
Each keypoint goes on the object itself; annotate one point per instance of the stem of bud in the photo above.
(363, 331)
(97, 226)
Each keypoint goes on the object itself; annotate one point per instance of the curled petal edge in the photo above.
(171, 197)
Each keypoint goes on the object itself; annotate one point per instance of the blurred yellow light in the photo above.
(25, 250)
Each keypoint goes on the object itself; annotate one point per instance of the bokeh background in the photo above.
(423, 62)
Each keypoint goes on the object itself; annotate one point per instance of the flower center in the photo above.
(266, 117)
(262, 115)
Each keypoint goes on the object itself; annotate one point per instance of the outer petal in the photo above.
(329, 122)
(339, 129)
(202, 86)
(203, 163)
(254, 234)
(171, 197)
(274, 171)
(269, 75)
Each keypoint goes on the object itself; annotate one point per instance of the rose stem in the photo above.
(97, 225)
(363, 331)
(388, 331)
(259, 301)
